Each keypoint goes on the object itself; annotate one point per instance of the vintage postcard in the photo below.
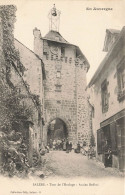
(62, 97)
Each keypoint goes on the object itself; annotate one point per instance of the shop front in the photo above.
(111, 141)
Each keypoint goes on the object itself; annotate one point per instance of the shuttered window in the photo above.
(104, 95)
(121, 80)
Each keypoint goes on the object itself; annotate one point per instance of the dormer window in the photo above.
(77, 54)
(110, 38)
(56, 38)
(63, 52)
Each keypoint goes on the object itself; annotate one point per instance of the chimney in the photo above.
(38, 42)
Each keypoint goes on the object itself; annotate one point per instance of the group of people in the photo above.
(66, 145)
(87, 150)
(59, 144)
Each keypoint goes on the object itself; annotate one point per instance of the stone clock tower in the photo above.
(66, 67)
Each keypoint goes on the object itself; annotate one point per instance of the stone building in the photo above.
(34, 76)
(27, 119)
(107, 97)
(66, 68)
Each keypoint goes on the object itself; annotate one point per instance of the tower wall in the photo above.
(61, 103)
(64, 97)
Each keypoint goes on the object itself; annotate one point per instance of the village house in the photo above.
(107, 98)
(34, 76)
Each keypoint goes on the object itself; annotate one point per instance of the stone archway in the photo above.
(50, 119)
(57, 129)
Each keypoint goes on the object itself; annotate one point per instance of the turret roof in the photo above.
(55, 36)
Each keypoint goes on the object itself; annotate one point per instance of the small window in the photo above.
(58, 88)
(93, 112)
(66, 59)
(46, 55)
(58, 74)
(58, 102)
(63, 52)
(52, 57)
(104, 93)
(70, 60)
(122, 79)
(77, 54)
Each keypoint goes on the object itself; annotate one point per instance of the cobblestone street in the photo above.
(71, 165)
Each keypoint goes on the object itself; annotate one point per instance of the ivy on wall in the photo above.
(11, 55)
(7, 16)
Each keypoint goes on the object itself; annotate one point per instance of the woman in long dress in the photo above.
(107, 155)
(64, 145)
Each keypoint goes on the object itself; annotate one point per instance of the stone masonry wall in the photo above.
(83, 126)
(61, 104)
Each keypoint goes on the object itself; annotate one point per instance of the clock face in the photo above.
(54, 50)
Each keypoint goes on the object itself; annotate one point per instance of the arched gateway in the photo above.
(57, 129)
(65, 85)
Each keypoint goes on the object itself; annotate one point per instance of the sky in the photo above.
(85, 28)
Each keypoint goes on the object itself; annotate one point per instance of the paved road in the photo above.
(72, 165)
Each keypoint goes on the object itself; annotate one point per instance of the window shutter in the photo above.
(100, 141)
(118, 136)
(113, 136)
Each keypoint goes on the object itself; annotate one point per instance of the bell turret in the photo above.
(54, 19)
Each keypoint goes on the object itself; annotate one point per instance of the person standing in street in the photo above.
(51, 144)
(67, 146)
(107, 155)
(70, 146)
(64, 145)
(54, 145)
